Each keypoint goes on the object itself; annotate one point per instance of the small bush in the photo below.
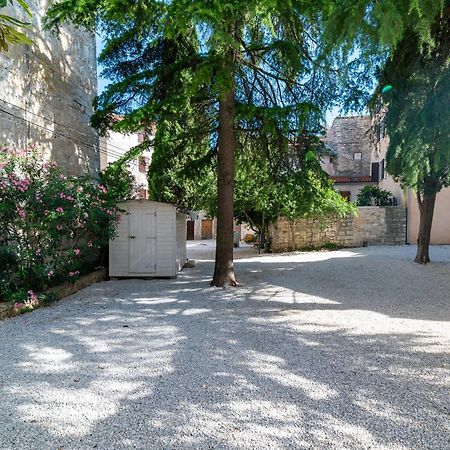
(53, 226)
(373, 196)
(329, 246)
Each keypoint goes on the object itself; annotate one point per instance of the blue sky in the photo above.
(102, 82)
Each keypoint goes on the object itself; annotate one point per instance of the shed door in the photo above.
(142, 240)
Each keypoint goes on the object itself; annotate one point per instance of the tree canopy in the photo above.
(418, 118)
(218, 77)
(418, 110)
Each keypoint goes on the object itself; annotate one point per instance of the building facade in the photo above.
(115, 145)
(46, 93)
(356, 157)
(440, 231)
(348, 156)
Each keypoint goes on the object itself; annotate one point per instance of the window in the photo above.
(357, 156)
(382, 129)
(376, 172)
(143, 164)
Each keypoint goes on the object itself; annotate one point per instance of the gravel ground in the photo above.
(344, 350)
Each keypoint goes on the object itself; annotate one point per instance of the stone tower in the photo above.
(46, 94)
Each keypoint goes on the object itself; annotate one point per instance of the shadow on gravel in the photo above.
(176, 364)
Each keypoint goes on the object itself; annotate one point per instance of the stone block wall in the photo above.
(46, 93)
(373, 224)
(349, 135)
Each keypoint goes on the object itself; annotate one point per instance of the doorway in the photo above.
(207, 229)
(190, 230)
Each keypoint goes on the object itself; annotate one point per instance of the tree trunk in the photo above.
(224, 270)
(426, 209)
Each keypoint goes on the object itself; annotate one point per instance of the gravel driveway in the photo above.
(346, 349)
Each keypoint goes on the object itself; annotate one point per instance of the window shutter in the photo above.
(382, 170)
(376, 172)
(382, 129)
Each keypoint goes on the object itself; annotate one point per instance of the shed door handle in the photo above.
(132, 237)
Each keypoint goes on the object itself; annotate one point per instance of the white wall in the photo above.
(115, 145)
(166, 252)
(440, 230)
(353, 188)
(387, 183)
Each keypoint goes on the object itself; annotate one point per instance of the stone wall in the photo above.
(46, 93)
(373, 224)
(349, 135)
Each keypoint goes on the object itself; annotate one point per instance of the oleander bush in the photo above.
(53, 227)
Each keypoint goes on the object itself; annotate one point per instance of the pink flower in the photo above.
(21, 185)
(79, 189)
(22, 213)
(59, 209)
(32, 297)
(90, 244)
(46, 212)
(38, 252)
(74, 274)
(62, 195)
(59, 227)
(77, 251)
(50, 274)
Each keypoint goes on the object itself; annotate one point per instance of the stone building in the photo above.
(349, 157)
(350, 138)
(46, 93)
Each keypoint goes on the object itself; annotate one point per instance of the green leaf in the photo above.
(310, 155)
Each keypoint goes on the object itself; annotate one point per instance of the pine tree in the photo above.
(254, 71)
(419, 116)
(406, 45)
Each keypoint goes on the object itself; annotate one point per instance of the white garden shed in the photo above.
(150, 242)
